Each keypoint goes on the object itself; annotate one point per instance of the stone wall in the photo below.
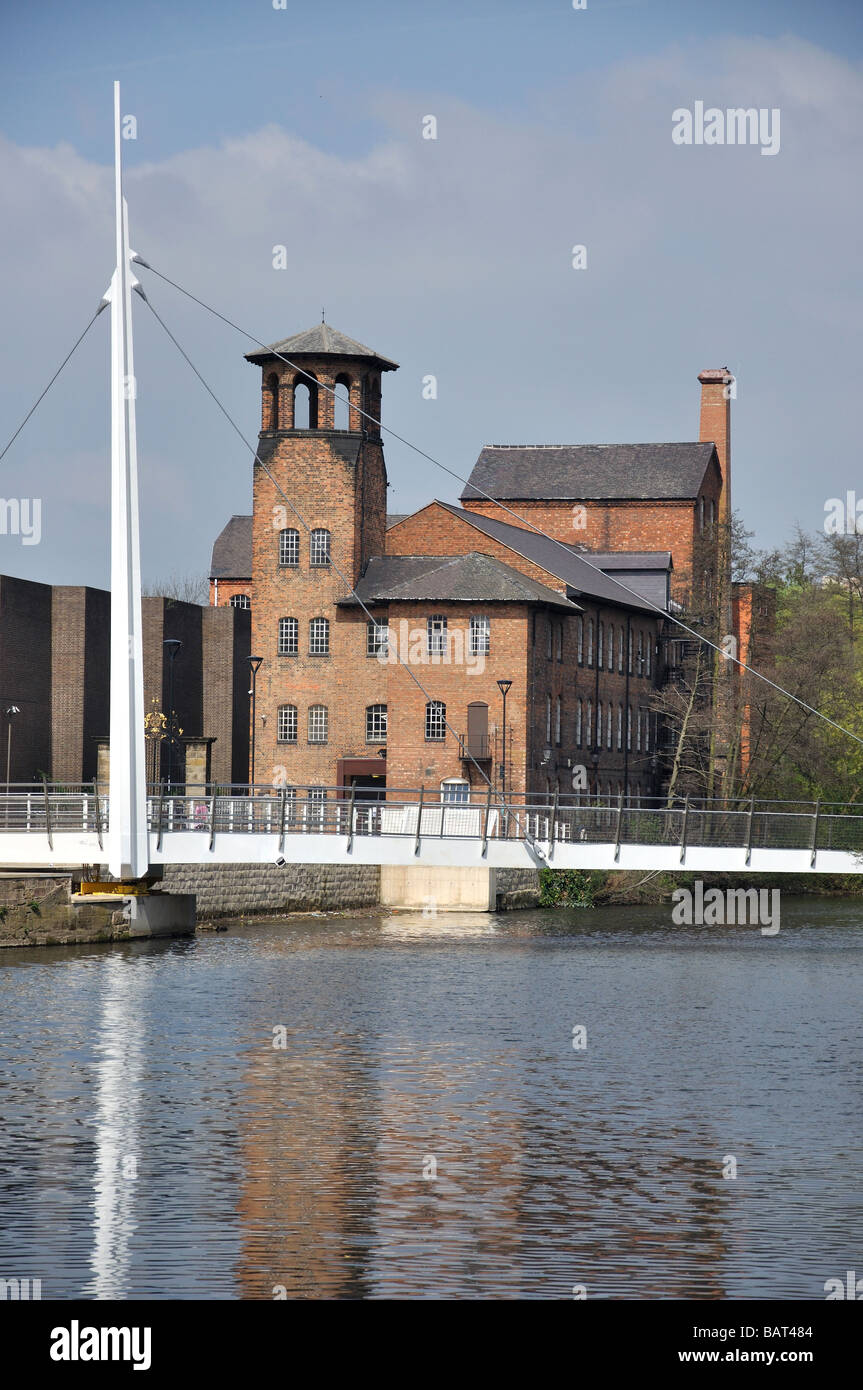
(517, 888)
(232, 890)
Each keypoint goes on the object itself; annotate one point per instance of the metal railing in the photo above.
(218, 810)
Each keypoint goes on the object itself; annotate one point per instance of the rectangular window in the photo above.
(640, 667)
(620, 652)
(376, 724)
(589, 730)
(638, 731)
(629, 654)
(649, 652)
(435, 721)
(608, 725)
(580, 641)
(579, 708)
(287, 725)
(454, 792)
(600, 637)
(436, 634)
(377, 639)
(619, 727)
(557, 721)
(590, 641)
(318, 723)
(319, 637)
(317, 805)
(560, 641)
(629, 727)
(480, 637)
(548, 719)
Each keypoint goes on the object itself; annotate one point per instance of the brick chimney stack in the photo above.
(715, 426)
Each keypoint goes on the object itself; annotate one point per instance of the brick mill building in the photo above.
(465, 596)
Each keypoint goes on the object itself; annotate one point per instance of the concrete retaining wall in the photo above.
(231, 890)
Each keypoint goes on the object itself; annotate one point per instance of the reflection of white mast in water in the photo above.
(118, 1101)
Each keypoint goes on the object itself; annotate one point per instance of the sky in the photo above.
(302, 127)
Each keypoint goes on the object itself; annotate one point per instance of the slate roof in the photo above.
(473, 578)
(393, 518)
(581, 576)
(232, 551)
(586, 472)
(627, 559)
(321, 341)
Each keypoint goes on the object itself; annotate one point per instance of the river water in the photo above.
(393, 1106)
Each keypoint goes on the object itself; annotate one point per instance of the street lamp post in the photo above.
(173, 645)
(11, 711)
(503, 687)
(254, 665)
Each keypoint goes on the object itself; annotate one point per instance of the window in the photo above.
(647, 731)
(629, 726)
(319, 637)
(454, 791)
(290, 795)
(435, 721)
(648, 644)
(305, 402)
(560, 641)
(320, 547)
(620, 652)
(619, 727)
(701, 513)
(557, 716)
(629, 652)
(317, 805)
(580, 641)
(289, 636)
(240, 601)
(600, 640)
(589, 730)
(436, 634)
(342, 404)
(479, 640)
(548, 640)
(289, 547)
(611, 646)
(579, 712)
(599, 723)
(640, 666)
(377, 638)
(590, 641)
(287, 725)
(548, 719)
(376, 723)
(271, 402)
(608, 721)
(712, 511)
(319, 721)
(638, 731)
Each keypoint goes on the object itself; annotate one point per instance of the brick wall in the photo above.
(25, 676)
(80, 705)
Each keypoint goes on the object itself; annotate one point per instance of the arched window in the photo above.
(619, 727)
(319, 722)
(319, 637)
(701, 513)
(580, 641)
(589, 728)
(287, 724)
(647, 731)
(600, 642)
(319, 547)
(640, 666)
(599, 723)
(377, 639)
(289, 547)
(712, 511)
(240, 601)
(611, 646)
(342, 403)
(629, 654)
(629, 727)
(271, 402)
(376, 723)
(557, 721)
(305, 402)
(638, 731)
(620, 641)
(590, 641)
(579, 715)
(648, 644)
(608, 720)
(435, 721)
(289, 636)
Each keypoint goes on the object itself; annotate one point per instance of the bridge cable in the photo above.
(103, 305)
(333, 565)
(523, 521)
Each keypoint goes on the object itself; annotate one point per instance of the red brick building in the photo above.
(383, 646)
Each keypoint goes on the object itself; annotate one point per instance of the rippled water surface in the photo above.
(155, 1143)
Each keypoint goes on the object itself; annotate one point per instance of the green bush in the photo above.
(569, 887)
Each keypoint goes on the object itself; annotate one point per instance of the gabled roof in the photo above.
(627, 559)
(590, 472)
(232, 551)
(321, 341)
(473, 578)
(582, 577)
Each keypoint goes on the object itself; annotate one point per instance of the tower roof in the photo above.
(321, 341)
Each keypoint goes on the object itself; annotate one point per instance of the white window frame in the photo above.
(435, 720)
(319, 637)
(454, 791)
(283, 723)
(289, 637)
(319, 724)
(376, 723)
(479, 635)
(320, 543)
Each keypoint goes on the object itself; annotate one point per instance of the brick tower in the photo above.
(320, 440)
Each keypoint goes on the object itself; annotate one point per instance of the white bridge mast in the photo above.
(128, 849)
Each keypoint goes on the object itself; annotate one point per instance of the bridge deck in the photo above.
(49, 827)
